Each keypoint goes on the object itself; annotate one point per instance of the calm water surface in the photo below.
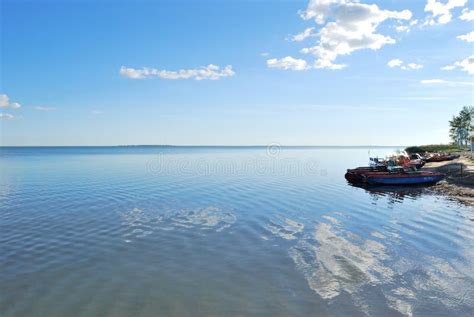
(224, 232)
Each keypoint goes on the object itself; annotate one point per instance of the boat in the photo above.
(442, 157)
(416, 156)
(437, 158)
(402, 158)
(403, 178)
(417, 164)
(391, 174)
(355, 175)
(453, 156)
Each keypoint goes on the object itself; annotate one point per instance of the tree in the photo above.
(464, 120)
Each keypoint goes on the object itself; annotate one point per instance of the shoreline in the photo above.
(459, 181)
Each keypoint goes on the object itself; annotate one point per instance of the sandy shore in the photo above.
(459, 182)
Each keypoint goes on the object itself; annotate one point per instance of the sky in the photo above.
(237, 72)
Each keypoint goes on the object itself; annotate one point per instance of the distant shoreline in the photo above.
(205, 146)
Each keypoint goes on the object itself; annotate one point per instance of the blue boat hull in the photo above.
(410, 180)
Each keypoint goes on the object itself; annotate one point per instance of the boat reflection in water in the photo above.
(395, 194)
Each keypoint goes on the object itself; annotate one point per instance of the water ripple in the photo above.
(142, 223)
(109, 238)
(334, 261)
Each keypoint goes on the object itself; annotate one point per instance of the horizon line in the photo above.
(204, 145)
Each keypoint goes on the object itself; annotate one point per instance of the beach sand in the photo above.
(459, 182)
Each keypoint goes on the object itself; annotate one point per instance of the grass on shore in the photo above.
(435, 148)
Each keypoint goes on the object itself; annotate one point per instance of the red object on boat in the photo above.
(355, 175)
(406, 161)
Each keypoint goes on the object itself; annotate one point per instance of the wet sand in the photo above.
(459, 182)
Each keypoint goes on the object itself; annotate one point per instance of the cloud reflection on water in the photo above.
(143, 222)
(335, 261)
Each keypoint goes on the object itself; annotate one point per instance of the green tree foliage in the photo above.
(464, 120)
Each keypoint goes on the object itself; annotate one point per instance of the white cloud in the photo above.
(309, 32)
(287, 62)
(399, 63)
(350, 26)
(264, 54)
(467, 15)
(395, 63)
(6, 116)
(469, 37)
(402, 28)
(466, 65)
(212, 72)
(5, 102)
(319, 9)
(132, 72)
(433, 81)
(96, 112)
(46, 109)
(414, 66)
(446, 82)
(406, 27)
(441, 12)
(448, 67)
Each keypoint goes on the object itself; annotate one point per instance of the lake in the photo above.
(224, 231)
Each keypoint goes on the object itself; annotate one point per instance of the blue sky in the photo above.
(318, 72)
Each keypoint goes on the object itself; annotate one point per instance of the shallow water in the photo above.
(146, 231)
